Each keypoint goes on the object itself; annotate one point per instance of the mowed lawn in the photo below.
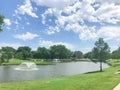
(105, 80)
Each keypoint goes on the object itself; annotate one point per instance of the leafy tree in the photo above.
(41, 53)
(1, 57)
(1, 24)
(23, 52)
(78, 55)
(34, 54)
(116, 54)
(60, 52)
(101, 51)
(7, 53)
(69, 53)
(88, 55)
(1, 21)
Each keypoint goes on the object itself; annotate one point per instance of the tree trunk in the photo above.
(100, 66)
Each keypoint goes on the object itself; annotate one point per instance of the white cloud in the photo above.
(47, 44)
(26, 8)
(44, 15)
(7, 21)
(108, 12)
(59, 4)
(85, 32)
(109, 32)
(74, 16)
(28, 23)
(26, 36)
(14, 45)
(52, 30)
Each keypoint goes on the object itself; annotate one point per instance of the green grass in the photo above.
(105, 80)
(18, 61)
(114, 62)
(37, 61)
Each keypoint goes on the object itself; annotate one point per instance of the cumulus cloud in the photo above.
(26, 36)
(59, 4)
(7, 21)
(77, 15)
(14, 45)
(52, 30)
(85, 32)
(109, 32)
(47, 44)
(26, 8)
(108, 12)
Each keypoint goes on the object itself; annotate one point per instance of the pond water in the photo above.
(8, 74)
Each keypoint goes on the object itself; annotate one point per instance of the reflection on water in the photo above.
(8, 74)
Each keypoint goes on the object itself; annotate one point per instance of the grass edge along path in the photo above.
(105, 80)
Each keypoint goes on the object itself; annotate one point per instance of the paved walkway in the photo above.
(117, 87)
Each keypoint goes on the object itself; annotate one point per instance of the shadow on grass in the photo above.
(94, 72)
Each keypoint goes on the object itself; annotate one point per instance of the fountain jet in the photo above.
(27, 66)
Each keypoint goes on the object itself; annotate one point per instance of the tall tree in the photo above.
(1, 24)
(1, 21)
(23, 52)
(7, 53)
(116, 54)
(78, 55)
(88, 55)
(101, 51)
(42, 53)
(60, 52)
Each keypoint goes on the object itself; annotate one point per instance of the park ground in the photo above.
(105, 80)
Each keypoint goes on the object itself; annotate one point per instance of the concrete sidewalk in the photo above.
(117, 87)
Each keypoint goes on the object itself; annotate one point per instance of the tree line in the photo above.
(56, 51)
(100, 53)
(25, 52)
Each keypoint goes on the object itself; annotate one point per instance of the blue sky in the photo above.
(77, 24)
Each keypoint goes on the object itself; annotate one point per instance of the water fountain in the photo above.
(27, 66)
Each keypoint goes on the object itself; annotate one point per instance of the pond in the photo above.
(8, 74)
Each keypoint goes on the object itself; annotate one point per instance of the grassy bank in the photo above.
(18, 61)
(39, 61)
(114, 62)
(105, 80)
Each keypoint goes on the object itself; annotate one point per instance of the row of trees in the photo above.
(59, 51)
(25, 52)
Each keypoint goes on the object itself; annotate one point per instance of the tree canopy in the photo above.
(23, 52)
(101, 51)
(60, 52)
(7, 53)
(41, 53)
(116, 54)
(78, 55)
(1, 21)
